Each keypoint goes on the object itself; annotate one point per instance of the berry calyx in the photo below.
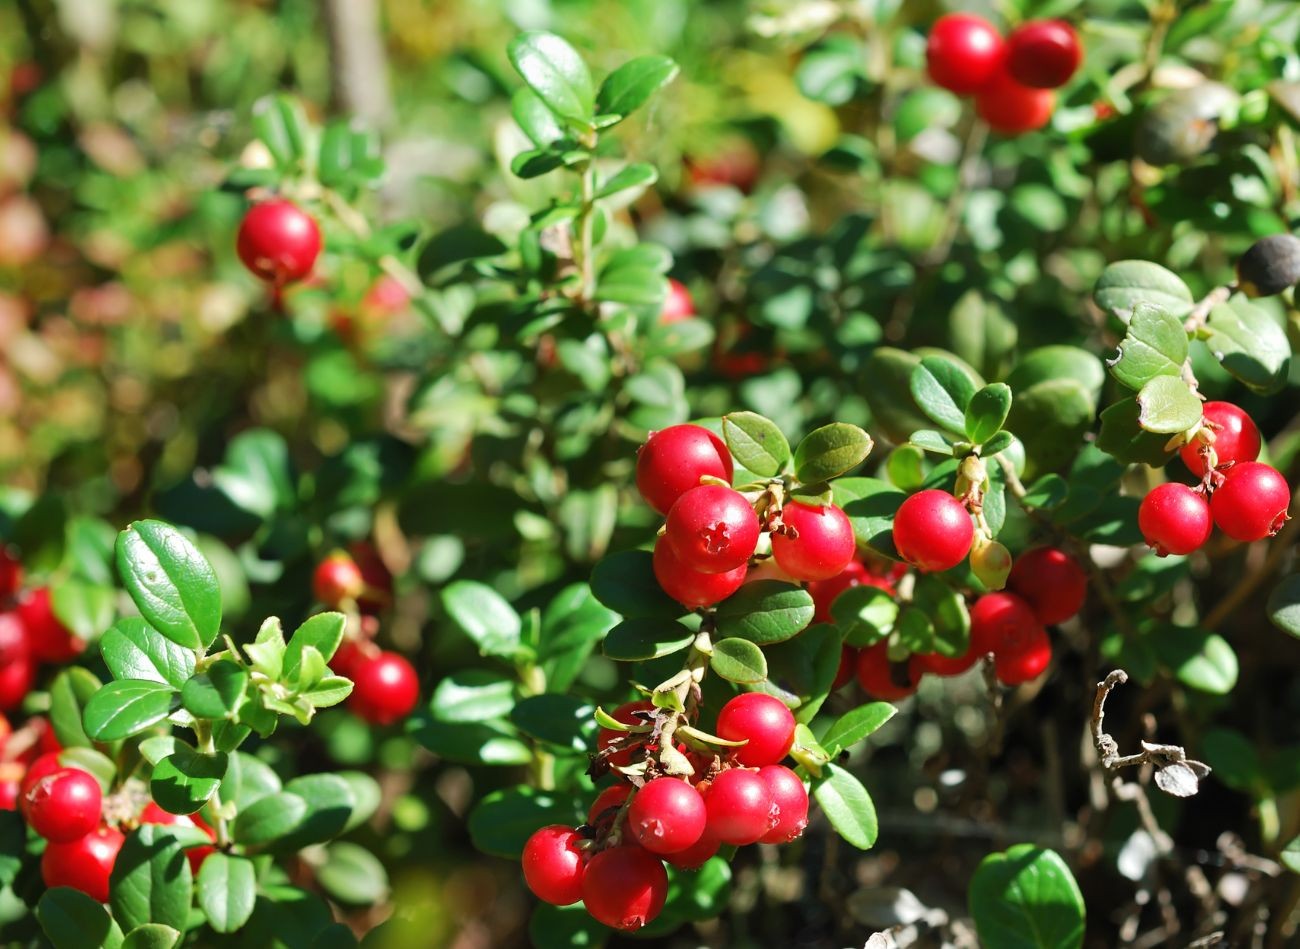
(65, 805)
(740, 807)
(1012, 108)
(1002, 623)
(1174, 519)
(554, 864)
(278, 241)
(678, 304)
(667, 815)
(49, 639)
(689, 587)
(1043, 54)
(673, 460)
(624, 887)
(83, 864)
(885, 680)
(337, 580)
(1235, 438)
(1051, 582)
(765, 721)
(933, 531)
(1252, 502)
(627, 714)
(822, 544)
(385, 689)
(153, 814)
(791, 799)
(712, 529)
(1027, 663)
(963, 52)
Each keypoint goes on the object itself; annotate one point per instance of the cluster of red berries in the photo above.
(1012, 79)
(712, 530)
(385, 686)
(30, 634)
(614, 863)
(1247, 499)
(278, 241)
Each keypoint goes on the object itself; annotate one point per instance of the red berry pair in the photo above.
(1006, 625)
(278, 241)
(623, 887)
(29, 634)
(64, 805)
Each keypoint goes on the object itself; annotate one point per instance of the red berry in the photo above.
(791, 799)
(765, 721)
(1012, 109)
(823, 543)
(1236, 439)
(50, 640)
(696, 855)
(673, 461)
(1043, 54)
(153, 814)
(609, 800)
(553, 865)
(11, 573)
(1027, 663)
(625, 887)
(826, 592)
(740, 806)
(378, 589)
(947, 666)
(47, 764)
(689, 587)
(64, 805)
(667, 815)
(625, 713)
(11, 773)
(1174, 519)
(848, 665)
(17, 669)
(1001, 623)
(963, 52)
(1251, 503)
(885, 680)
(385, 689)
(337, 580)
(678, 305)
(83, 864)
(278, 241)
(712, 529)
(1051, 582)
(933, 531)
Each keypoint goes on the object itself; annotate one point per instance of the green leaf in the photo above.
(830, 451)
(127, 707)
(172, 585)
(72, 920)
(185, 780)
(987, 412)
(756, 443)
(831, 71)
(323, 632)
(95, 763)
(69, 692)
(151, 880)
(247, 780)
(853, 726)
(1284, 605)
(473, 695)
(1234, 760)
(280, 122)
(151, 936)
(1168, 405)
(217, 693)
(132, 649)
(629, 86)
(329, 801)
(255, 474)
(641, 638)
(864, 614)
(269, 818)
(1051, 418)
(488, 743)
(870, 505)
(485, 616)
(353, 875)
(1155, 345)
(1123, 437)
(636, 175)
(554, 70)
(1290, 855)
(1047, 493)
(738, 660)
(1197, 657)
(765, 611)
(800, 670)
(1126, 283)
(625, 583)
(537, 121)
(563, 720)
(1026, 898)
(268, 649)
(1250, 344)
(942, 391)
(502, 822)
(847, 806)
(84, 608)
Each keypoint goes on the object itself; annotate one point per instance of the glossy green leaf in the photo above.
(643, 638)
(127, 707)
(629, 86)
(636, 175)
(738, 660)
(216, 693)
(1155, 345)
(353, 875)
(1126, 283)
(942, 391)
(1250, 343)
(765, 611)
(864, 614)
(625, 583)
(987, 412)
(502, 822)
(132, 649)
(554, 70)
(185, 780)
(853, 726)
(1168, 405)
(562, 720)
(151, 880)
(485, 616)
(472, 695)
(227, 891)
(756, 443)
(1123, 437)
(72, 920)
(172, 584)
(71, 689)
(323, 632)
(152, 936)
(1284, 605)
(870, 505)
(1026, 898)
(1197, 657)
(847, 806)
(830, 451)
(269, 818)
(494, 742)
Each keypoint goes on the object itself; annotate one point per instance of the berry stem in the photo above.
(203, 738)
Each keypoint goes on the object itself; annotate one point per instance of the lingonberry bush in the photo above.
(732, 473)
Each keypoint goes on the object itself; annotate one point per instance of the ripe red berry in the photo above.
(766, 721)
(64, 805)
(791, 799)
(823, 544)
(1026, 663)
(553, 865)
(696, 855)
(667, 815)
(278, 241)
(673, 461)
(1236, 439)
(17, 668)
(963, 52)
(49, 639)
(11, 573)
(885, 680)
(740, 807)
(625, 887)
(1251, 503)
(948, 666)
(609, 800)
(826, 592)
(83, 864)
(1051, 582)
(1001, 623)
(712, 529)
(1043, 54)
(689, 587)
(678, 305)
(933, 531)
(627, 714)
(337, 580)
(1011, 108)
(385, 689)
(1174, 519)
(153, 814)
(848, 666)
(46, 764)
